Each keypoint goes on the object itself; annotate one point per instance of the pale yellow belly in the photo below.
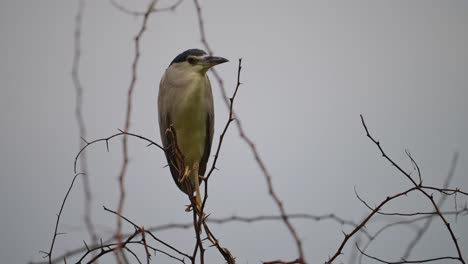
(190, 125)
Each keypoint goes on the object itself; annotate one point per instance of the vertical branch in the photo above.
(80, 120)
(221, 137)
(143, 238)
(249, 142)
(197, 219)
(127, 124)
(224, 251)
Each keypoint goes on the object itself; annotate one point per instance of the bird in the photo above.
(186, 118)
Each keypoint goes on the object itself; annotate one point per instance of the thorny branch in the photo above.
(80, 120)
(107, 139)
(365, 221)
(408, 222)
(396, 213)
(428, 222)
(143, 239)
(49, 254)
(416, 187)
(107, 247)
(428, 216)
(127, 125)
(224, 251)
(226, 220)
(256, 219)
(148, 232)
(421, 190)
(405, 261)
(249, 142)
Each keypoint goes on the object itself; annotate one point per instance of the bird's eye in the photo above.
(191, 60)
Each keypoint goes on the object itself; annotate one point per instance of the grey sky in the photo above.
(309, 67)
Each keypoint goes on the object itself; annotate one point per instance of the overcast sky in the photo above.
(309, 69)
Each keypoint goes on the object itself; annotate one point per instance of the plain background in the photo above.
(309, 69)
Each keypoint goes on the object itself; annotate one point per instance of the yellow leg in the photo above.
(186, 174)
(197, 185)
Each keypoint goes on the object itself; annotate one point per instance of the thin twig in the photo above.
(364, 222)
(446, 191)
(394, 214)
(296, 261)
(404, 261)
(121, 133)
(415, 165)
(127, 11)
(49, 254)
(428, 222)
(230, 259)
(139, 230)
(407, 223)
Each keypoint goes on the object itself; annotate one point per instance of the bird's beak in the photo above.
(210, 61)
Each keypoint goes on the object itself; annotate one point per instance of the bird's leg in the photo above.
(196, 183)
(185, 175)
(196, 167)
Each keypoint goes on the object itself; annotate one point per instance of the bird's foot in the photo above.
(188, 208)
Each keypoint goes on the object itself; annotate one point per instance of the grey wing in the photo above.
(208, 141)
(209, 136)
(166, 136)
(173, 155)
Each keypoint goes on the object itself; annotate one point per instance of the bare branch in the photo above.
(406, 261)
(143, 239)
(80, 120)
(415, 165)
(418, 187)
(49, 254)
(408, 222)
(254, 219)
(428, 222)
(127, 11)
(140, 230)
(394, 214)
(296, 261)
(131, 87)
(121, 133)
(364, 222)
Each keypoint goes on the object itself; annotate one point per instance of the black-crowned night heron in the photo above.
(186, 117)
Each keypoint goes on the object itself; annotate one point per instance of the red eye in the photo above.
(191, 60)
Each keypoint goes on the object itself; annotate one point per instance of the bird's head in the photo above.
(195, 60)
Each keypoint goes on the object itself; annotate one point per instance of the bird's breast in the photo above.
(189, 119)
